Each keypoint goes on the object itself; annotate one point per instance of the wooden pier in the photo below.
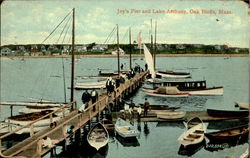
(70, 123)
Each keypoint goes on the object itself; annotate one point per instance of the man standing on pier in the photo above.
(146, 106)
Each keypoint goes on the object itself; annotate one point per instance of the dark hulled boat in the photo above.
(228, 113)
(162, 107)
(230, 134)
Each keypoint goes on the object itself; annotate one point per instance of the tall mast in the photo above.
(118, 53)
(155, 46)
(73, 57)
(151, 37)
(130, 49)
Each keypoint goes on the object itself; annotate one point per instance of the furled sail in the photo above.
(149, 61)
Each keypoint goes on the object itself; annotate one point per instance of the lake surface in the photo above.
(42, 78)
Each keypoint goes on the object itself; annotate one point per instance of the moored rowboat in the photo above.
(169, 115)
(98, 136)
(229, 134)
(242, 105)
(193, 135)
(227, 113)
(25, 119)
(8, 127)
(125, 129)
(91, 85)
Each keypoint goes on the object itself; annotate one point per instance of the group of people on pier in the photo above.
(87, 97)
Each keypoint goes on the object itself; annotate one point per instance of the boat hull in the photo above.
(170, 115)
(98, 136)
(173, 75)
(206, 91)
(8, 127)
(124, 129)
(25, 119)
(91, 85)
(232, 134)
(227, 113)
(165, 95)
(187, 138)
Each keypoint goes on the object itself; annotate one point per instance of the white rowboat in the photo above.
(169, 115)
(98, 136)
(124, 129)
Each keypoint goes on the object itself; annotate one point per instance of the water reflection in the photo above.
(74, 149)
(13, 140)
(128, 142)
(215, 145)
(191, 149)
(170, 124)
(146, 130)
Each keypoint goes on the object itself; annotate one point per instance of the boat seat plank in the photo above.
(193, 136)
(97, 135)
(189, 139)
(199, 132)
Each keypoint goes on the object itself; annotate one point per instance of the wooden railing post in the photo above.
(0, 146)
(50, 118)
(32, 130)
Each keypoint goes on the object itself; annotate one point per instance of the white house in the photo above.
(100, 47)
(5, 51)
(81, 48)
(114, 52)
(180, 46)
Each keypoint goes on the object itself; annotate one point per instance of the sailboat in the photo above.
(16, 122)
(164, 74)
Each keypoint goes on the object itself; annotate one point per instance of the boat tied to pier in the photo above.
(165, 92)
(230, 134)
(191, 87)
(170, 115)
(98, 136)
(125, 129)
(194, 133)
(228, 113)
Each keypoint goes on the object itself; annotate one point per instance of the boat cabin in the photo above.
(183, 85)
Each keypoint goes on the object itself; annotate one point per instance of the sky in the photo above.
(179, 21)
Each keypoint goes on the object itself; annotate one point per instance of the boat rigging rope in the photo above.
(66, 33)
(63, 30)
(124, 36)
(110, 35)
(57, 26)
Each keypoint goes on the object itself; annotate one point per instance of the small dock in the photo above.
(151, 117)
(70, 124)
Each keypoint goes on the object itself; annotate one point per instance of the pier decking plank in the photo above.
(31, 147)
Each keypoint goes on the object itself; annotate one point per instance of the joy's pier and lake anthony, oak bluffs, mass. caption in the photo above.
(169, 11)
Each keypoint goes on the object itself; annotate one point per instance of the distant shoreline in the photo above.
(133, 55)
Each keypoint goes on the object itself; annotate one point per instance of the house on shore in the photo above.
(5, 51)
(99, 48)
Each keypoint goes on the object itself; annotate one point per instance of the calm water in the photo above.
(42, 78)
